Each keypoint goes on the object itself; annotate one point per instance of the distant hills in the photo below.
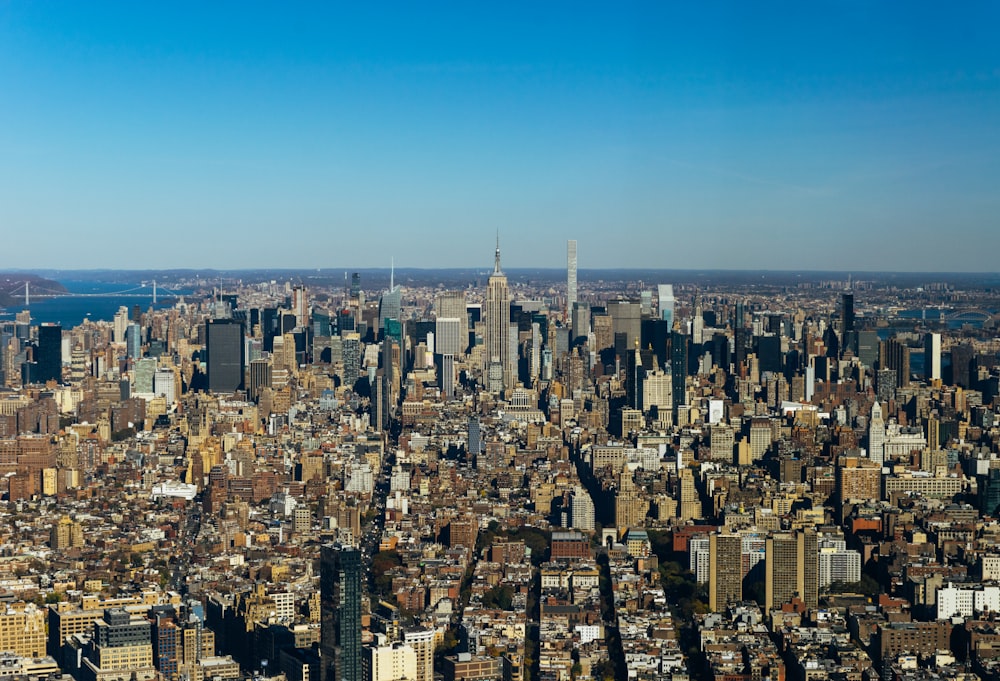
(12, 286)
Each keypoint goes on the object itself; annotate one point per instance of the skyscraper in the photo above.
(876, 435)
(678, 369)
(49, 359)
(224, 350)
(500, 368)
(791, 568)
(340, 613)
(300, 305)
(570, 276)
(725, 570)
(133, 341)
(451, 305)
(932, 357)
(390, 304)
(666, 295)
(847, 312)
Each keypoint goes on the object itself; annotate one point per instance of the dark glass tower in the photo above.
(847, 312)
(224, 352)
(678, 368)
(340, 618)
(49, 359)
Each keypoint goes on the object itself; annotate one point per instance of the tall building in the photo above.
(475, 440)
(500, 368)
(389, 307)
(932, 357)
(725, 570)
(570, 276)
(49, 359)
(133, 341)
(791, 568)
(678, 369)
(351, 352)
(961, 365)
(582, 510)
(666, 295)
(300, 305)
(876, 435)
(896, 356)
(847, 312)
(340, 613)
(224, 350)
(451, 305)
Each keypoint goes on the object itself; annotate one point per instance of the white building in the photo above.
(967, 600)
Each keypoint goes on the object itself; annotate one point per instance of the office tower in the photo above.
(259, 377)
(300, 305)
(165, 385)
(224, 350)
(678, 369)
(932, 357)
(895, 355)
(867, 347)
(451, 305)
(133, 341)
(885, 385)
(847, 312)
(352, 358)
(626, 319)
(355, 285)
(390, 305)
(500, 368)
(876, 435)
(446, 380)
(475, 440)
(697, 323)
(535, 358)
(667, 302)
(580, 322)
(448, 336)
(49, 359)
(570, 276)
(340, 613)
(791, 569)
(582, 510)
(725, 570)
(961, 365)
(633, 378)
(143, 372)
(739, 316)
(269, 323)
(769, 353)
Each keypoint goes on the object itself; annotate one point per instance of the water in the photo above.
(70, 311)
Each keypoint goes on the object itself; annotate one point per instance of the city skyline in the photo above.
(714, 138)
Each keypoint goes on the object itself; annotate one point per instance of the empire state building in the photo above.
(500, 372)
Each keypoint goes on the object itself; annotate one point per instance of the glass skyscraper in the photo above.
(340, 613)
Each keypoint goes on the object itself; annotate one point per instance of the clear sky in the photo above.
(800, 135)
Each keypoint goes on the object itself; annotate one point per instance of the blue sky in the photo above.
(852, 136)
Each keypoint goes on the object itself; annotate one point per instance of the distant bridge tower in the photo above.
(27, 297)
(154, 292)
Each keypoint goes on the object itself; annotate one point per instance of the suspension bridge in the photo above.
(35, 291)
